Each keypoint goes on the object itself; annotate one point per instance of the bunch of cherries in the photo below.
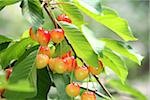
(66, 63)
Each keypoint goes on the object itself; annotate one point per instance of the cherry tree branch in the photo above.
(56, 26)
(50, 15)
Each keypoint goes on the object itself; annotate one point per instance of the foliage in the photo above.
(27, 82)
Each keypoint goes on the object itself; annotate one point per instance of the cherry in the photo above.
(41, 61)
(44, 50)
(96, 70)
(73, 89)
(43, 36)
(32, 34)
(8, 73)
(81, 73)
(68, 54)
(88, 96)
(57, 65)
(57, 35)
(64, 17)
(71, 63)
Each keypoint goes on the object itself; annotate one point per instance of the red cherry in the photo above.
(71, 63)
(88, 96)
(64, 17)
(57, 35)
(44, 50)
(8, 73)
(32, 34)
(41, 61)
(81, 73)
(43, 36)
(73, 89)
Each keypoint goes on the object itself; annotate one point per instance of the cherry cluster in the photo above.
(65, 64)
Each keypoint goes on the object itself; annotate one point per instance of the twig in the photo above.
(103, 87)
(49, 14)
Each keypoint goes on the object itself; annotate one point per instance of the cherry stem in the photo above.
(56, 26)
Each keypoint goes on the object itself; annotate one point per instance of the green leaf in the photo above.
(108, 11)
(123, 49)
(61, 49)
(80, 44)
(43, 84)
(114, 62)
(14, 51)
(24, 71)
(60, 83)
(4, 3)
(32, 11)
(115, 23)
(95, 4)
(96, 44)
(4, 39)
(74, 13)
(125, 88)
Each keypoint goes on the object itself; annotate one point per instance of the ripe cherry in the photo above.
(57, 35)
(96, 70)
(64, 17)
(71, 63)
(8, 73)
(32, 34)
(68, 54)
(57, 65)
(81, 73)
(43, 36)
(73, 89)
(44, 50)
(88, 96)
(41, 61)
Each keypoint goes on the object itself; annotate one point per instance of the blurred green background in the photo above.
(135, 11)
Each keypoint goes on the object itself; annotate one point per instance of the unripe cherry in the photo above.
(44, 50)
(32, 34)
(43, 36)
(57, 35)
(81, 73)
(64, 17)
(73, 89)
(87, 95)
(41, 61)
